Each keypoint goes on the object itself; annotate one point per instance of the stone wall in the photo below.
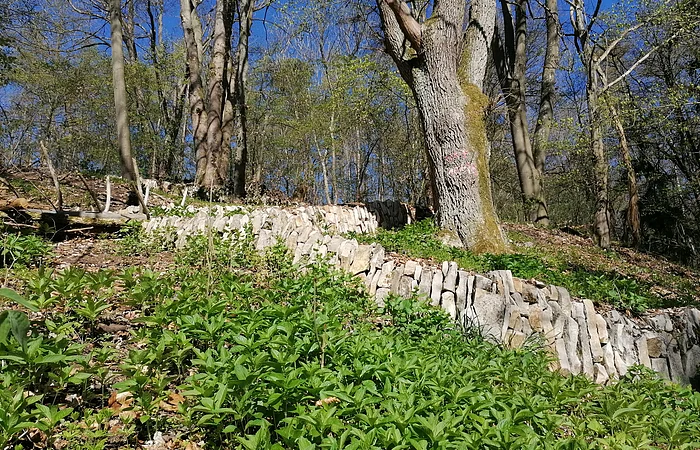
(602, 344)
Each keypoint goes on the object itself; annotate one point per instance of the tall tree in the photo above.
(442, 59)
(510, 56)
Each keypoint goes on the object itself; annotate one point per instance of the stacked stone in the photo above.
(227, 219)
(390, 213)
(504, 308)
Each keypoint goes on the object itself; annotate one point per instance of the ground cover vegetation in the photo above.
(227, 348)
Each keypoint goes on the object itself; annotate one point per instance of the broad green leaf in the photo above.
(15, 297)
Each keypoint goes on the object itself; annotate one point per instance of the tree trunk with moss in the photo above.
(429, 56)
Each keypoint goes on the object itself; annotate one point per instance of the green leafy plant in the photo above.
(25, 250)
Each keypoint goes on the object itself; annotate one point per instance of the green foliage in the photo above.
(22, 249)
(267, 355)
(419, 240)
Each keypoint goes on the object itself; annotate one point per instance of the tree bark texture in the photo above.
(218, 151)
(451, 107)
(196, 96)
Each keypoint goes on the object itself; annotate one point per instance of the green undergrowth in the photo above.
(420, 240)
(247, 351)
(22, 249)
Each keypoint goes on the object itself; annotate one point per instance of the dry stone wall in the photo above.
(601, 344)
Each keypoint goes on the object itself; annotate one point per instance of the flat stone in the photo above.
(536, 318)
(529, 293)
(410, 268)
(373, 283)
(660, 366)
(584, 339)
(445, 268)
(406, 285)
(314, 237)
(426, 282)
(461, 292)
(571, 332)
(378, 256)
(692, 361)
(518, 300)
(525, 326)
(304, 233)
(547, 326)
(380, 296)
(564, 301)
(396, 280)
(482, 283)
(643, 352)
(436, 289)
(335, 243)
(602, 327)
(553, 293)
(599, 374)
(609, 360)
(655, 346)
(517, 284)
(346, 253)
(418, 272)
(361, 261)
(515, 339)
(675, 363)
(490, 310)
(450, 283)
(591, 323)
(265, 239)
(555, 310)
(448, 304)
(385, 275)
(562, 357)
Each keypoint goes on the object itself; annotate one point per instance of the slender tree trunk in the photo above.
(511, 59)
(198, 113)
(545, 115)
(590, 61)
(451, 107)
(240, 162)
(633, 219)
(128, 163)
(601, 224)
(119, 85)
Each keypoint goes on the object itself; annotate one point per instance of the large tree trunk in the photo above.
(511, 59)
(198, 114)
(452, 114)
(218, 150)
